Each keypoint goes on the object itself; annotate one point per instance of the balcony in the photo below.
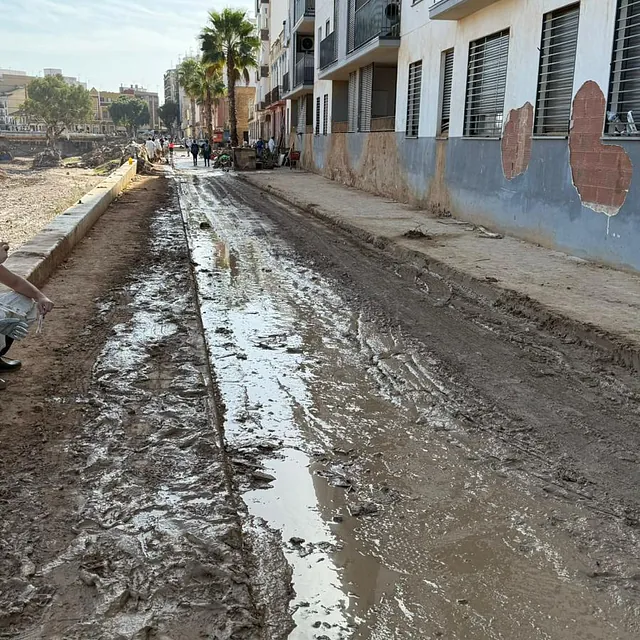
(328, 50)
(267, 99)
(285, 83)
(303, 9)
(375, 19)
(304, 70)
(275, 95)
(456, 9)
(264, 71)
(264, 35)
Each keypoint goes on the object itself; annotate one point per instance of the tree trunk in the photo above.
(209, 108)
(193, 118)
(233, 116)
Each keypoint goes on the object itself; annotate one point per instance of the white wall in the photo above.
(425, 40)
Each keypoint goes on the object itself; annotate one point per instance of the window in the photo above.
(555, 78)
(624, 87)
(327, 27)
(486, 82)
(364, 102)
(317, 116)
(413, 98)
(325, 115)
(353, 102)
(445, 100)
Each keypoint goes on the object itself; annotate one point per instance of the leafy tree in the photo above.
(170, 114)
(129, 112)
(230, 40)
(56, 104)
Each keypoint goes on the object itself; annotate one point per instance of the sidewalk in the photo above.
(602, 302)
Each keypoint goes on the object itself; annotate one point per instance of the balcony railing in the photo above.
(264, 71)
(264, 35)
(267, 99)
(376, 19)
(304, 70)
(328, 50)
(303, 8)
(285, 83)
(275, 94)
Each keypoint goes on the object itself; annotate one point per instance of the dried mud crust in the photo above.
(117, 516)
(565, 413)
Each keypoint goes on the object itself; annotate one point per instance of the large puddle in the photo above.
(394, 524)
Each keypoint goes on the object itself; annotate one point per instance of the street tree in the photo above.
(210, 89)
(230, 40)
(170, 114)
(130, 112)
(56, 104)
(188, 71)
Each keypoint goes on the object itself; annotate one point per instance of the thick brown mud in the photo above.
(433, 467)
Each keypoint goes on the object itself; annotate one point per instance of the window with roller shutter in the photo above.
(317, 130)
(413, 99)
(445, 101)
(486, 85)
(353, 101)
(366, 85)
(555, 77)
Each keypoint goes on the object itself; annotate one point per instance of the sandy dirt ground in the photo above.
(30, 199)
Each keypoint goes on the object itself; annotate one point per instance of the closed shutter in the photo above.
(366, 88)
(325, 115)
(353, 101)
(557, 65)
(318, 116)
(624, 87)
(447, 81)
(413, 98)
(351, 26)
(302, 115)
(486, 83)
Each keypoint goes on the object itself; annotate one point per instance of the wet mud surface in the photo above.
(431, 467)
(119, 522)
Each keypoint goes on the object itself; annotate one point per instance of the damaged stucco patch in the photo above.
(336, 165)
(601, 173)
(516, 141)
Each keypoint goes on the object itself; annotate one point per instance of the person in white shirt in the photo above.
(151, 149)
(272, 145)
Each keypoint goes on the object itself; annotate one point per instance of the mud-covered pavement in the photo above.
(433, 467)
(263, 429)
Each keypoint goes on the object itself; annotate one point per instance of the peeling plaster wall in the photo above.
(549, 191)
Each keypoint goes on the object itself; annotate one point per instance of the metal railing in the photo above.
(264, 35)
(285, 83)
(267, 99)
(264, 71)
(328, 50)
(376, 19)
(303, 8)
(275, 94)
(304, 70)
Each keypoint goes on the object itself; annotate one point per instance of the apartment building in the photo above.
(150, 97)
(517, 114)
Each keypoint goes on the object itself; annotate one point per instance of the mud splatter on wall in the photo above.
(601, 172)
(516, 141)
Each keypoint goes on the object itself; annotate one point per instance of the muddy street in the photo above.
(242, 423)
(432, 466)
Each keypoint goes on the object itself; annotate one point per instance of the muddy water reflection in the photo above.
(400, 528)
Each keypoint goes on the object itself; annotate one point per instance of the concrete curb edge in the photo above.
(38, 258)
(617, 347)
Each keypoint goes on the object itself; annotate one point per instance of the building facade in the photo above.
(150, 97)
(517, 114)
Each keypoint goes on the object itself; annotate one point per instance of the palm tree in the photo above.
(188, 71)
(230, 40)
(209, 88)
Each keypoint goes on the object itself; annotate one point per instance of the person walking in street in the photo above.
(150, 146)
(12, 328)
(206, 152)
(195, 150)
(272, 145)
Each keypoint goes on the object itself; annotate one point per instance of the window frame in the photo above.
(495, 133)
(414, 95)
(539, 123)
(441, 95)
(317, 127)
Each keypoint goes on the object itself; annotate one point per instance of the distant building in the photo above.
(101, 122)
(171, 86)
(13, 92)
(68, 79)
(150, 97)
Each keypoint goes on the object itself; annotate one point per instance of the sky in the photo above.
(104, 43)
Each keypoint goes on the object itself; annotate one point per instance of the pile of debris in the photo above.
(5, 155)
(104, 153)
(46, 159)
(137, 152)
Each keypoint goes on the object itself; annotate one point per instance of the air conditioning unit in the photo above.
(306, 44)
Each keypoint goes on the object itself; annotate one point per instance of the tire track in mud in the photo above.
(443, 428)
